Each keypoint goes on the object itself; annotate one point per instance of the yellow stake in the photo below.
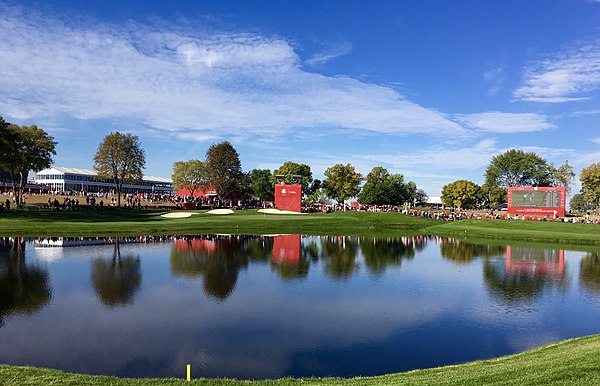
(189, 373)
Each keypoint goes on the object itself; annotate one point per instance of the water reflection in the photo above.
(380, 254)
(525, 273)
(216, 259)
(461, 252)
(24, 287)
(589, 272)
(339, 255)
(289, 259)
(117, 279)
(309, 306)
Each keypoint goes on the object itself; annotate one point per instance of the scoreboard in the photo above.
(537, 201)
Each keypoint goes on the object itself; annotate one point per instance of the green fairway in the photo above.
(132, 222)
(571, 362)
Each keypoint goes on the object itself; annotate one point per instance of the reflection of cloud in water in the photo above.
(196, 327)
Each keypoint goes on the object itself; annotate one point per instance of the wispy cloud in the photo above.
(564, 76)
(496, 77)
(329, 54)
(596, 140)
(498, 122)
(441, 157)
(189, 83)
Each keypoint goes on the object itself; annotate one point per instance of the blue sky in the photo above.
(429, 89)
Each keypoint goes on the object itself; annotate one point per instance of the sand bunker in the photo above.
(220, 211)
(177, 215)
(277, 211)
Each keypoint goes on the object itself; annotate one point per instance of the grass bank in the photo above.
(149, 222)
(134, 222)
(571, 362)
(512, 230)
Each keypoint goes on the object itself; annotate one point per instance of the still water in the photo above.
(262, 307)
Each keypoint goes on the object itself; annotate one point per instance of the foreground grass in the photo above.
(571, 362)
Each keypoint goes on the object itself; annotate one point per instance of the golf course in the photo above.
(570, 362)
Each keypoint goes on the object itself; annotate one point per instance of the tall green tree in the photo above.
(121, 159)
(262, 184)
(383, 188)
(23, 149)
(590, 183)
(189, 175)
(562, 175)
(224, 171)
(517, 168)
(461, 194)
(289, 169)
(491, 196)
(342, 182)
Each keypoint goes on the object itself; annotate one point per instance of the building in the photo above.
(60, 179)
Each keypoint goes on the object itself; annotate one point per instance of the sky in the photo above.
(428, 89)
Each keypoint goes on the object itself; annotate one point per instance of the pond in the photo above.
(255, 307)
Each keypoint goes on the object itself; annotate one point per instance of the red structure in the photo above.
(537, 201)
(288, 197)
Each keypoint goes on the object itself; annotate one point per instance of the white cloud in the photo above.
(497, 122)
(563, 77)
(191, 83)
(597, 140)
(331, 53)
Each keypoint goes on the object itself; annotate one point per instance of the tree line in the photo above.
(121, 159)
(221, 170)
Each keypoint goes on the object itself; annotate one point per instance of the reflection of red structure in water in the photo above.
(288, 197)
(550, 261)
(197, 245)
(286, 250)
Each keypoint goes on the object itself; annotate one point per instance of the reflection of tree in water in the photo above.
(24, 288)
(292, 271)
(260, 249)
(589, 272)
(218, 264)
(518, 286)
(339, 254)
(116, 280)
(463, 253)
(380, 253)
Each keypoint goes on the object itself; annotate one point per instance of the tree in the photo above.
(289, 169)
(342, 182)
(492, 196)
(517, 168)
(224, 171)
(121, 159)
(116, 281)
(383, 188)
(421, 197)
(461, 194)
(24, 148)
(562, 175)
(262, 184)
(590, 183)
(189, 175)
(580, 204)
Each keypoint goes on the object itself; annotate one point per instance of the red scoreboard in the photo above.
(537, 201)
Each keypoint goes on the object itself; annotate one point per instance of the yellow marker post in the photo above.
(189, 373)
